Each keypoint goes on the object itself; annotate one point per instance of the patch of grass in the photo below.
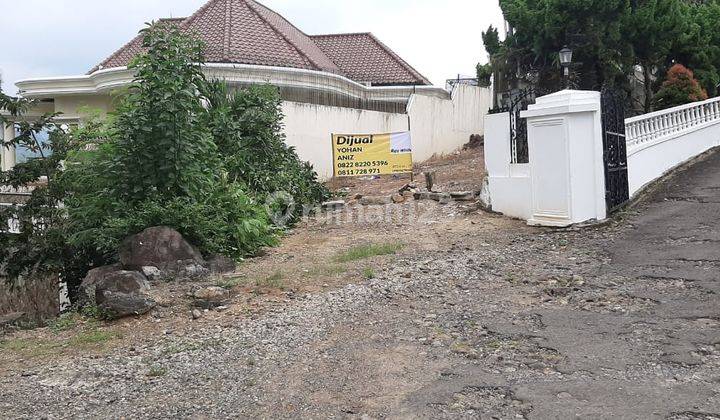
(64, 322)
(230, 282)
(93, 337)
(362, 252)
(274, 281)
(88, 339)
(368, 273)
(30, 348)
(157, 371)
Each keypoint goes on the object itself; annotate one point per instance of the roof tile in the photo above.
(363, 58)
(246, 32)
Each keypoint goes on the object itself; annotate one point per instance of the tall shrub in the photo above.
(160, 165)
(679, 88)
(247, 127)
(163, 147)
(181, 152)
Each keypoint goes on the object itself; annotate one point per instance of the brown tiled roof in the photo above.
(246, 32)
(127, 52)
(363, 58)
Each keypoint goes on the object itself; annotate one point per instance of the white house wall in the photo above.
(509, 183)
(71, 105)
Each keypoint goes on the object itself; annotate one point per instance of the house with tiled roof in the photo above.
(337, 83)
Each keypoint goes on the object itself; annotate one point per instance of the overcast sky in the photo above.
(440, 38)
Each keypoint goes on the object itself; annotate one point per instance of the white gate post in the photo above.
(566, 158)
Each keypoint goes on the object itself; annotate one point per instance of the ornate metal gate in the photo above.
(617, 191)
(517, 102)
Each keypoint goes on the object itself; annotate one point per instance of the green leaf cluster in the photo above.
(180, 151)
(612, 41)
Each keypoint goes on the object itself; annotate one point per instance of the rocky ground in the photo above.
(476, 316)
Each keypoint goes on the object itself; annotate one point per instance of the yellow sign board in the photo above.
(372, 154)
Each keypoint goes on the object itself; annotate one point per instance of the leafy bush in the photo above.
(247, 127)
(181, 152)
(679, 88)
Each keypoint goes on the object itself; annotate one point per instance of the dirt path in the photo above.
(488, 318)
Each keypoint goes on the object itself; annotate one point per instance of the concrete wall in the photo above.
(564, 182)
(649, 161)
(509, 184)
(309, 129)
(439, 125)
(71, 105)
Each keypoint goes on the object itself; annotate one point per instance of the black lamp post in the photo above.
(566, 55)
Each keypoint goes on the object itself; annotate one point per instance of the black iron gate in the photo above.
(516, 102)
(617, 191)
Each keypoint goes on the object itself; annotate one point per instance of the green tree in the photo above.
(247, 127)
(163, 148)
(652, 28)
(698, 46)
(592, 28)
(609, 39)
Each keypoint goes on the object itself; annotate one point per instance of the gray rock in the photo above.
(114, 279)
(211, 297)
(118, 293)
(407, 188)
(196, 314)
(157, 247)
(376, 201)
(430, 178)
(442, 198)
(152, 273)
(97, 274)
(119, 305)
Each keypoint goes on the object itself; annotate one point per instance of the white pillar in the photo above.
(8, 154)
(566, 158)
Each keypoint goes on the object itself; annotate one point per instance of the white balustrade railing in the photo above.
(672, 122)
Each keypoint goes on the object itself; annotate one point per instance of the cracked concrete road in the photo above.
(617, 321)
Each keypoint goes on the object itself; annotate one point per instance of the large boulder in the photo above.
(117, 305)
(116, 292)
(161, 247)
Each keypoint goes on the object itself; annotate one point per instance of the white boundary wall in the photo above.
(509, 183)
(564, 182)
(660, 141)
(438, 126)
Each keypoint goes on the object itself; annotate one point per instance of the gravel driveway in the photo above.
(617, 321)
